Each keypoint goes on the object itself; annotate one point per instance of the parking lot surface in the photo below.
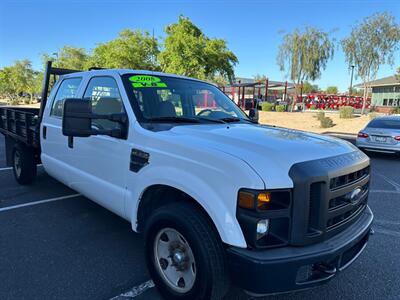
(56, 244)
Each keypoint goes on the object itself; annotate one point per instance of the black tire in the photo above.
(24, 165)
(211, 280)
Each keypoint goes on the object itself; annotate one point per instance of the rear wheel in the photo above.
(184, 254)
(24, 165)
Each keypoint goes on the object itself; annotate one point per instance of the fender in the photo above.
(220, 204)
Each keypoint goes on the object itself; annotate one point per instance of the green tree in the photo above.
(309, 88)
(371, 44)
(15, 80)
(398, 73)
(35, 86)
(69, 57)
(220, 81)
(332, 89)
(187, 51)
(130, 50)
(259, 77)
(3, 84)
(304, 54)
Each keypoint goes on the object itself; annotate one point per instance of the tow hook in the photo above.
(330, 270)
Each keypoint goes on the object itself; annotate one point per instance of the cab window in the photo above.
(68, 89)
(105, 97)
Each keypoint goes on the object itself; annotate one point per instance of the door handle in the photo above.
(44, 133)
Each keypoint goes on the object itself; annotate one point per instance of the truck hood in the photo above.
(270, 151)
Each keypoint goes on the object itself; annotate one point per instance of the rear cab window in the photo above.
(67, 89)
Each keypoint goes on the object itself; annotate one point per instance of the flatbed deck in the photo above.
(21, 124)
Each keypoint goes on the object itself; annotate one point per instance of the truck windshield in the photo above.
(169, 99)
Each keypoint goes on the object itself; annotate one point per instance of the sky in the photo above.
(253, 29)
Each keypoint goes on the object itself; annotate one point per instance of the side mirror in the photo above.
(253, 114)
(77, 118)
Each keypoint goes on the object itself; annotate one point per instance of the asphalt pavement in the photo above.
(55, 244)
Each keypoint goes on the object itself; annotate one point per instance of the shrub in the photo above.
(346, 112)
(14, 101)
(27, 100)
(396, 111)
(266, 106)
(320, 115)
(326, 122)
(313, 107)
(280, 108)
(372, 115)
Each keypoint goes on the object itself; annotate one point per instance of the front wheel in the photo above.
(24, 166)
(184, 254)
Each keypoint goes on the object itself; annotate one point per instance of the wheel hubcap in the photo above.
(174, 260)
(17, 163)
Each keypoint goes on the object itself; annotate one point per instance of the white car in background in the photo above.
(381, 135)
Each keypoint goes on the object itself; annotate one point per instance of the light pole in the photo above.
(351, 80)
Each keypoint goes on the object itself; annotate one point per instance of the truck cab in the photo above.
(219, 198)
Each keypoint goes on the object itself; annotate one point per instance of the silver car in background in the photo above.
(382, 134)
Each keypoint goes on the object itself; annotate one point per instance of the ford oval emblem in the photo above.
(354, 195)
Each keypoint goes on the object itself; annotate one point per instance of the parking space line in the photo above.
(390, 181)
(135, 291)
(38, 202)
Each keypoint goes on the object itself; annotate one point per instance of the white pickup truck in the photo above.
(220, 199)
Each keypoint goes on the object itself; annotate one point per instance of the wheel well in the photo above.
(156, 196)
(11, 143)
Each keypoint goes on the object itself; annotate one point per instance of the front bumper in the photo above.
(292, 268)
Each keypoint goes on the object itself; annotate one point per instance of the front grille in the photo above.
(342, 201)
(350, 178)
(319, 209)
(345, 217)
(330, 207)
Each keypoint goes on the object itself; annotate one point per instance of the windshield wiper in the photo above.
(236, 119)
(231, 119)
(211, 120)
(175, 119)
(187, 119)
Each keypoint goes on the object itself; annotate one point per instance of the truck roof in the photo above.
(130, 71)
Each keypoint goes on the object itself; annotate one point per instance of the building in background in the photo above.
(385, 93)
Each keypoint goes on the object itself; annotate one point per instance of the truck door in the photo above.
(52, 141)
(99, 162)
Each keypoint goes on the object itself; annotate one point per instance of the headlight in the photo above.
(264, 217)
(262, 228)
